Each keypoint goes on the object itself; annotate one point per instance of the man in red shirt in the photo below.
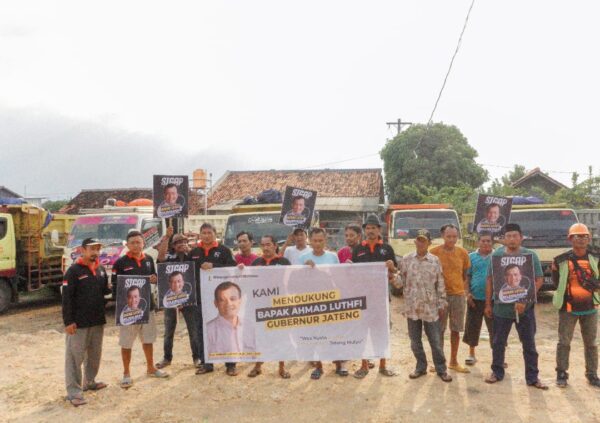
(353, 235)
(245, 242)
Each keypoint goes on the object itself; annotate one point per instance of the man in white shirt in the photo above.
(228, 333)
(300, 247)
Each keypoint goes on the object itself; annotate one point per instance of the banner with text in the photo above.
(329, 312)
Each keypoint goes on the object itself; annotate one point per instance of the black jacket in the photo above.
(83, 294)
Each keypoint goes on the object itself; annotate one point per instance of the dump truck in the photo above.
(31, 248)
(404, 220)
(544, 227)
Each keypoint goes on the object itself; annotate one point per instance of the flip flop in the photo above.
(126, 382)
(469, 361)
(254, 372)
(231, 371)
(492, 378)
(96, 386)
(316, 373)
(361, 373)
(76, 401)
(371, 364)
(158, 374)
(204, 369)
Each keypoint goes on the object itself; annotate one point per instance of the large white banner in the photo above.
(272, 313)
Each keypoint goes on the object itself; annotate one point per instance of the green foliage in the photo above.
(463, 198)
(503, 187)
(425, 162)
(54, 206)
(581, 196)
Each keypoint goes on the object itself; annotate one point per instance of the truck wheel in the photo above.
(5, 295)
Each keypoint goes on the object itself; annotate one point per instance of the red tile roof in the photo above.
(328, 182)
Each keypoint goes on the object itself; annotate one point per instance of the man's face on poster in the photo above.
(171, 196)
(176, 283)
(228, 303)
(298, 205)
(133, 299)
(493, 213)
(513, 277)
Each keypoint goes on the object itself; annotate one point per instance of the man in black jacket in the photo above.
(84, 286)
(207, 255)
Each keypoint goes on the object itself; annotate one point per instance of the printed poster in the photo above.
(513, 278)
(492, 214)
(133, 300)
(176, 284)
(298, 207)
(170, 196)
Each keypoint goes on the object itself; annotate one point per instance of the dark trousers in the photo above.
(526, 328)
(201, 341)
(566, 326)
(190, 314)
(475, 317)
(433, 332)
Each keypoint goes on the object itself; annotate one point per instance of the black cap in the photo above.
(90, 241)
(423, 233)
(372, 219)
(510, 227)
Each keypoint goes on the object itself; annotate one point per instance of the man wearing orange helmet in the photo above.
(575, 275)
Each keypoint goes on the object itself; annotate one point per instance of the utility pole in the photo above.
(398, 124)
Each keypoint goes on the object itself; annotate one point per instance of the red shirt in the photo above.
(345, 254)
(245, 260)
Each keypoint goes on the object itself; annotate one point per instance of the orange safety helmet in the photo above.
(578, 229)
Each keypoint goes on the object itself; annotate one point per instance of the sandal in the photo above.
(387, 372)
(445, 377)
(255, 372)
(417, 374)
(77, 401)
(126, 382)
(158, 374)
(316, 373)
(492, 378)
(371, 364)
(162, 364)
(95, 386)
(470, 361)
(342, 372)
(361, 373)
(458, 368)
(284, 374)
(539, 385)
(231, 371)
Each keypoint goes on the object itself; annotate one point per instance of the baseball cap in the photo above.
(90, 241)
(423, 233)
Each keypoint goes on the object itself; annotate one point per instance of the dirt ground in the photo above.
(32, 383)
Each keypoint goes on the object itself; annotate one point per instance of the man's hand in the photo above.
(170, 231)
(206, 266)
(488, 310)
(241, 266)
(71, 329)
(470, 300)
(153, 279)
(390, 266)
(520, 308)
(310, 263)
(290, 239)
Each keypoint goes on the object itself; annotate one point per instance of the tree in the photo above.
(54, 206)
(504, 186)
(423, 159)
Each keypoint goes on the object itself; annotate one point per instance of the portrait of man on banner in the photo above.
(298, 207)
(492, 214)
(513, 278)
(170, 196)
(133, 300)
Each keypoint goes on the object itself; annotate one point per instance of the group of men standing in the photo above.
(441, 285)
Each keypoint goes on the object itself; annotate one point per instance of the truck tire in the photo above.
(5, 295)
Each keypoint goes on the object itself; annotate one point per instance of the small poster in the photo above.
(513, 279)
(133, 300)
(170, 196)
(298, 207)
(492, 214)
(176, 284)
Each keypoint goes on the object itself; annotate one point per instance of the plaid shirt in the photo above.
(424, 288)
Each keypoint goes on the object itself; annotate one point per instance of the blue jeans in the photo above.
(526, 328)
(190, 314)
(433, 332)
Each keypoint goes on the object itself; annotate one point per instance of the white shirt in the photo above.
(293, 254)
(224, 338)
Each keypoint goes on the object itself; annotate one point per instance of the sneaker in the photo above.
(561, 379)
(594, 380)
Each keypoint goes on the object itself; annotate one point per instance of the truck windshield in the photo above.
(110, 230)
(258, 224)
(544, 228)
(407, 223)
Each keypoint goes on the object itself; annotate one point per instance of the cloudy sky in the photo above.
(105, 94)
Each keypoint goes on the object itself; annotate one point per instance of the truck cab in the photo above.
(404, 220)
(111, 225)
